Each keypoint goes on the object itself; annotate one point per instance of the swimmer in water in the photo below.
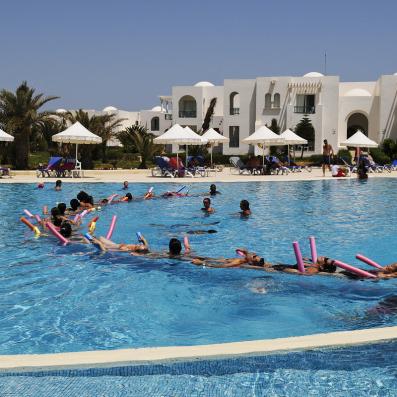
(213, 190)
(211, 231)
(125, 185)
(247, 259)
(207, 206)
(108, 245)
(245, 208)
(58, 185)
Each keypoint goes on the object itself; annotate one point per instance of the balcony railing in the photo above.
(305, 109)
(234, 111)
(188, 114)
(168, 116)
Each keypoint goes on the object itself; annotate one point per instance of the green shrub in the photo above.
(345, 154)
(379, 156)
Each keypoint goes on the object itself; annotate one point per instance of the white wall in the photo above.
(246, 119)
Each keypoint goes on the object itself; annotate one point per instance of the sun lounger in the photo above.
(163, 167)
(50, 170)
(4, 171)
(238, 166)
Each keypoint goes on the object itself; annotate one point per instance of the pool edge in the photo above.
(124, 357)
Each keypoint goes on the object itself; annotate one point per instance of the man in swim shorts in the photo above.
(328, 152)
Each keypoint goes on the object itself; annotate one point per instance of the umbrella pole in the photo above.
(187, 155)
(77, 145)
(177, 163)
(212, 148)
(263, 153)
(289, 157)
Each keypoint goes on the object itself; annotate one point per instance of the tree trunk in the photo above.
(104, 153)
(20, 153)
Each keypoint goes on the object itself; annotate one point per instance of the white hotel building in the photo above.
(336, 109)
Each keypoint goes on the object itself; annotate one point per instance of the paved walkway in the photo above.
(145, 176)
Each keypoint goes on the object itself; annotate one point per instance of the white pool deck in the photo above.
(112, 358)
(145, 176)
(156, 355)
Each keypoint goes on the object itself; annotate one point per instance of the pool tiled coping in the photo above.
(124, 357)
(137, 176)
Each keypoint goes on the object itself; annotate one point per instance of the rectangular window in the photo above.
(234, 136)
(305, 104)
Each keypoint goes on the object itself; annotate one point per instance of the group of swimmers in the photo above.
(67, 221)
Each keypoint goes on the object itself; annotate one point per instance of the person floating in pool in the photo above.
(58, 185)
(207, 206)
(107, 245)
(125, 185)
(213, 191)
(245, 208)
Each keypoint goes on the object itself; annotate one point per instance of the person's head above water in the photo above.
(244, 205)
(175, 246)
(125, 185)
(58, 184)
(128, 196)
(62, 208)
(207, 202)
(213, 189)
(74, 204)
(65, 229)
(83, 197)
(55, 212)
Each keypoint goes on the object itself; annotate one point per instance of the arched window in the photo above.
(155, 124)
(234, 103)
(276, 100)
(187, 107)
(268, 101)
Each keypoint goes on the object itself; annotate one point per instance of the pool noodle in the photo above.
(38, 218)
(111, 227)
(183, 187)
(368, 261)
(353, 269)
(76, 218)
(298, 256)
(83, 214)
(186, 243)
(28, 213)
(33, 228)
(313, 249)
(111, 198)
(55, 232)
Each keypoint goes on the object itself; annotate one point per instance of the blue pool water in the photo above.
(369, 370)
(56, 299)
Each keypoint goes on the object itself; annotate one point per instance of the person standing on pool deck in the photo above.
(207, 206)
(328, 151)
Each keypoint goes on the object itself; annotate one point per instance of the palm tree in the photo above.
(137, 139)
(19, 114)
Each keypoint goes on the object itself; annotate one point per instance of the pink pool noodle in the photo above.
(28, 213)
(353, 269)
(368, 261)
(186, 243)
(111, 198)
(38, 218)
(84, 213)
(111, 227)
(313, 249)
(76, 218)
(55, 232)
(298, 256)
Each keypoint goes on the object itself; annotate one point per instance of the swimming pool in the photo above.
(368, 370)
(57, 299)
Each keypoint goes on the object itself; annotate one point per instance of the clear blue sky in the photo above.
(125, 53)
